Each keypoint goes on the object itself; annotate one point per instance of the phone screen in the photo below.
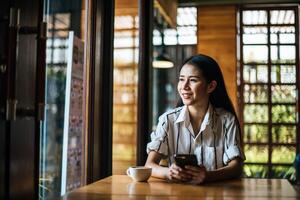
(185, 159)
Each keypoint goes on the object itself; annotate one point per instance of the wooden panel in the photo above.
(126, 7)
(217, 38)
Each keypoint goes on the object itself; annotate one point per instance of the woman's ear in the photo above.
(211, 86)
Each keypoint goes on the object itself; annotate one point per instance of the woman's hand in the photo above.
(177, 174)
(197, 174)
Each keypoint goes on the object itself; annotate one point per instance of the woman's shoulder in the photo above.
(224, 114)
(171, 115)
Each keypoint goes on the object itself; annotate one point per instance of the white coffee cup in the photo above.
(139, 173)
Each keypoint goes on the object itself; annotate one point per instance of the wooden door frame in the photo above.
(144, 78)
(99, 160)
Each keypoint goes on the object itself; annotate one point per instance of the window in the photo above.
(268, 89)
(125, 92)
(186, 33)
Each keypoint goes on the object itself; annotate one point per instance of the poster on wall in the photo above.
(73, 136)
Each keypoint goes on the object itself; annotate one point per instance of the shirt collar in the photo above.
(185, 117)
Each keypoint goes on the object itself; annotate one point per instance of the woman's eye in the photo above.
(181, 79)
(193, 80)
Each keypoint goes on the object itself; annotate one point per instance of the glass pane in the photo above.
(187, 35)
(283, 93)
(283, 154)
(255, 17)
(255, 113)
(125, 95)
(283, 54)
(256, 93)
(282, 172)
(62, 141)
(124, 39)
(187, 16)
(284, 113)
(283, 134)
(255, 171)
(282, 17)
(170, 37)
(255, 133)
(255, 73)
(124, 22)
(255, 53)
(281, 34)
(283, 74)
(255, 35)
(123, 56)
(125, 76)
(255, 153)
(157, 40)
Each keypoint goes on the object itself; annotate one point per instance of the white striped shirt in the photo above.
(217, 142)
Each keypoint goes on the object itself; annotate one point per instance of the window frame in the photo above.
(269, 103)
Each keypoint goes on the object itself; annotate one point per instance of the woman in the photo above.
(205, 125)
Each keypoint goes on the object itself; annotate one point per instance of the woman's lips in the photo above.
(186, 95)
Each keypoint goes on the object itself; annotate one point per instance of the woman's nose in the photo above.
(186, 84)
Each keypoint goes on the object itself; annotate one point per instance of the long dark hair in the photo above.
(211, 71)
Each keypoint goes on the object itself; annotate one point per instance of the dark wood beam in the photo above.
(224, 2)
(144, 78)
(101, 91)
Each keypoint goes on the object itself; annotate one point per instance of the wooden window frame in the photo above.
(242, 103)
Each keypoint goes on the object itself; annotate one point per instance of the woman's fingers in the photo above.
(198, 174)
(177, 173)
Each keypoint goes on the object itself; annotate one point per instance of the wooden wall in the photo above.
(217, 38)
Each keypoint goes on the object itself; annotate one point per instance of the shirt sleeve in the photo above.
(159, 140)
(232, 140)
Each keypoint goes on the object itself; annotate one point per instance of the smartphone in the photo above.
(185, 159)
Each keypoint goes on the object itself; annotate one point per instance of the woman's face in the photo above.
(192, 87)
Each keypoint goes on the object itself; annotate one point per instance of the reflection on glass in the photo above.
(125, 86)
(283, 74)
(187, 35)
(283, 134)
(61, 18)
(283, 93)
(255, 53)
(255, 133)
(125, 22)
(282, 16)
(256, 171)
(255, 35)
(283, 54)
(256, 93)
(125, 76)
(255, 17)
(256, 153)
(124, 39)
(170, 37)
(255, 73)
(157, 40)
(283, 154)
(285, 34)
(283, 113)
(123, 152)
(256, 113)
(125, 95)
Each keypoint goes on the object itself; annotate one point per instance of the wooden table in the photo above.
(122, 187)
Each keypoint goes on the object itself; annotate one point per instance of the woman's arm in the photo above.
(234, 169)
(153, 162)
(173, 173)
(199, 175)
